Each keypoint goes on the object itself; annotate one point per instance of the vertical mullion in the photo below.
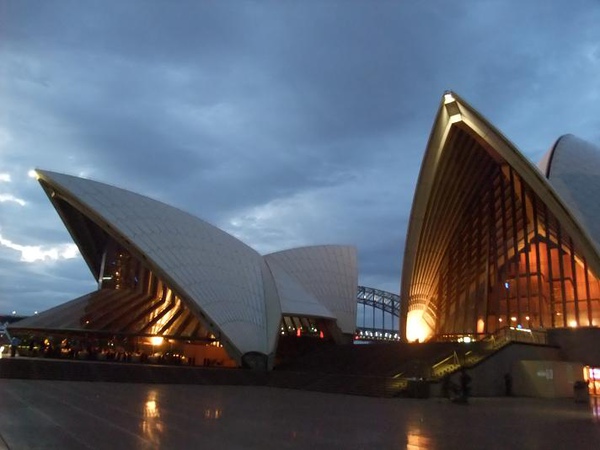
(587, 291)
(538, 260)
(550, 267)
(561, 266)
(505, 245)
(515, 243)
(526, 247)
(574, 280)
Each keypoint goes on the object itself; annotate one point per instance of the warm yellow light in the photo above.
(480, 326)
(33, 174)
(156, 340)
(573, 323)
(151, 406)
(514, 319)
(416, 327)
(150, 409)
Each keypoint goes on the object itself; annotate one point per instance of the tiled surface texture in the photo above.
(574, 175)
(80, 415)
(329, 272)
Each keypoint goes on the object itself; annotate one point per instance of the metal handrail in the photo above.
(492, 343)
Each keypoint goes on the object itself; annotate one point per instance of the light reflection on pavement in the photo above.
(73, 415)
(152, 426)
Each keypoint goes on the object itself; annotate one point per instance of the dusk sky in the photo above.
(285, 123)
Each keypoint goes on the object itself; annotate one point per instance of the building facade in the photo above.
(494, 241)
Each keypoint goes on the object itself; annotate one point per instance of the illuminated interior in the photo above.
(489, 252)
(132, 299)
(303, 326)
(417, 329)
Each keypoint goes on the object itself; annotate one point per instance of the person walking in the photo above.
(508, 384)
(465, 385)
(14, 342)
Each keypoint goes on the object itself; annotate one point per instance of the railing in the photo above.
(511, 334)
(445, 366)
(485, 347)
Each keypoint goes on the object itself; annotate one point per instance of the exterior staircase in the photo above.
(483, 349)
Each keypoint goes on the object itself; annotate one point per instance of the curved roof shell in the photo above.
(572, 167)
(294, 298)
(449, 176)
(218, 276)
(219, 282)
(329, 274)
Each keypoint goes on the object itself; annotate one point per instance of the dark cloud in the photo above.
(285, 123)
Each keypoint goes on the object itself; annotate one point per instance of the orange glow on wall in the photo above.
(416, 327)
(480, 326)
(592, 376)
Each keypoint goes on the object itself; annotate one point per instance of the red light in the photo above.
(298, 332)
(321, 335)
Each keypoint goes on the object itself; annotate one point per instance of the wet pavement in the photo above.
(94, 415)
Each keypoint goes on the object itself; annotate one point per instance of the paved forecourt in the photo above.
(83, 415)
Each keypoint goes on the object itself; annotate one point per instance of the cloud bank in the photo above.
(285, 123)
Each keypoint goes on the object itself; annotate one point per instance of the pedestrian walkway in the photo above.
(83, 415)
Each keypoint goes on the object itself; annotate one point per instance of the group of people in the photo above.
(459, 392)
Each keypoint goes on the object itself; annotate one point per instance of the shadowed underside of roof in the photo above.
(120, 312)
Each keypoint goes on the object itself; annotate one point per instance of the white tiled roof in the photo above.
(573, 169)
(241, 293)
(295, 299)
(329, 273)
(217, 271)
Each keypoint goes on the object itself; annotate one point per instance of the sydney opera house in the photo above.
(494, 241)
(167, 278)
